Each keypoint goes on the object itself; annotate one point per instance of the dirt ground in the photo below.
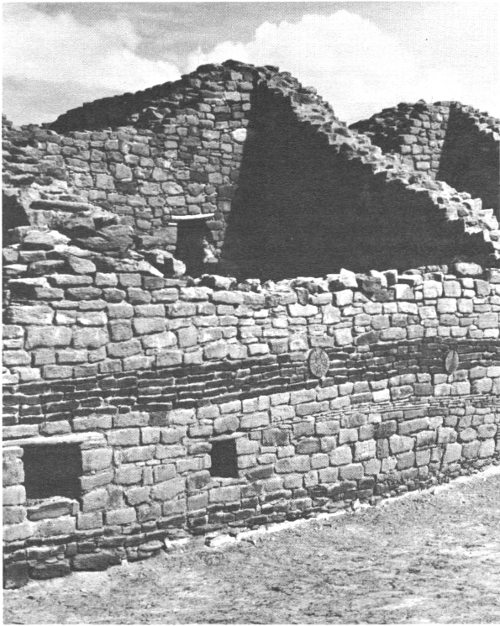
(428, 557)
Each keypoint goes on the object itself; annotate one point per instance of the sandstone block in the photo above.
(124, 437)
(168, 489)
(225, 494)
(137, 454)
(343, 297)
(293, 464)
(128, 475)
(13, 514)
(303, 395)
(148, 325)
(88, 521)
(353, 471)
(53, 336)
(14, 495)
(90, 337)
(95, 500)
(393, 334)
(341, 455)
(254, 420)
(348, 435)
(12, 470)
(120, 311)
(120, 516)
(228, 423)
(308, 446)
(215, 350)
(124, 348)
(167, 358)
(57, 526)
(453, 452)
(446, 305)
(487, 320)
(485, 431)
(405, 460)
(343, 336)
(487, 448)
(302, 310)
(95, 561)
(16, 357)
(181, 417)
(364, 450)
(270, 437)
(18, 532)
(432, 289)
(399, 444)
(92, 318)
(96, 459)
(164, 472)
(106, 279)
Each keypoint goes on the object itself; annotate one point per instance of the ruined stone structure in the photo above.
(144, 404)
(449, 141)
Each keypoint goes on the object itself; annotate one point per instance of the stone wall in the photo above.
(277, 186)
(145, 377)
(449, 141)
(143, 406)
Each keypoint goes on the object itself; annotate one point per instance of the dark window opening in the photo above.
(224, 459)
(190, 245)
(13, 216)
(52, 470)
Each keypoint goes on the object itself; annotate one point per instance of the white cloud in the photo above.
(59, 49)
(354, 65)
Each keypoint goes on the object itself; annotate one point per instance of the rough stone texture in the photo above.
(449, 141)
(141, 370)
(301, 194)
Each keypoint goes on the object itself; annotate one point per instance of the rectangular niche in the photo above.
(52, 470)
(224, 458)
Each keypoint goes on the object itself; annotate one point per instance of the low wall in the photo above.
(189, 409)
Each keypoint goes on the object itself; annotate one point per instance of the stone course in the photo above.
(112, 354)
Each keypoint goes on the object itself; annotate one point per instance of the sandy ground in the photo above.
(433, 556)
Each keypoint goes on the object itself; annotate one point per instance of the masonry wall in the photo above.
(281, 186)
(449, 141)
(470, 155)
(183, 406)
(146, 386)
(185, 165)
(302, 207)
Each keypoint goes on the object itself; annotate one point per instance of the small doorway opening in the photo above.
(52, 470)
(191, 237)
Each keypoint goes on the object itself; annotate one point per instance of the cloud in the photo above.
(37, 101)
(53, 60)
(356, 66)
(97, 59)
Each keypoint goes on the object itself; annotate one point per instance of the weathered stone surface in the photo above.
(94, 562)
(50, 569)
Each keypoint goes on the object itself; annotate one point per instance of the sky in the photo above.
(361, 56)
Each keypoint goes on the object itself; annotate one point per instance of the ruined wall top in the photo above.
(121, 174)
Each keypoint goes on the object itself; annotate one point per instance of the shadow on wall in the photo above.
(301, 209)
(469, 160)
